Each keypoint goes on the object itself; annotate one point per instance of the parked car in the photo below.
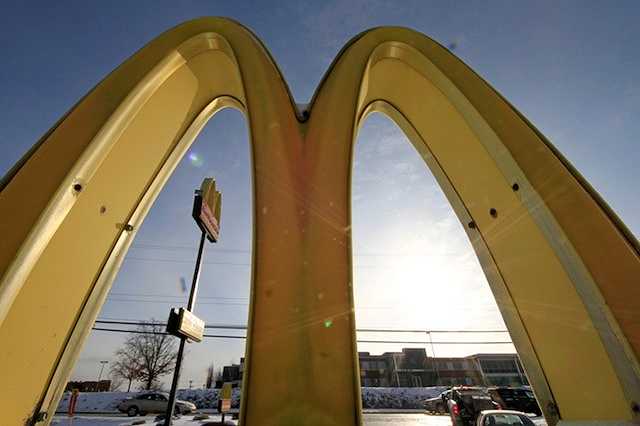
(437, 404)
(467, 402)
(153, 402)
(503, 418)
(516, 398)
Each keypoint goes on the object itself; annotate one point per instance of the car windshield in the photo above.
(473, 392)
(506, 420)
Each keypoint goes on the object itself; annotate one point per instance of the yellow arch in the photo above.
(561, 265)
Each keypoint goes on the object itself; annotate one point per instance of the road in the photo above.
(405, 420)
(370, 419)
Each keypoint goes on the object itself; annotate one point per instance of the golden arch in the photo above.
(563, 268)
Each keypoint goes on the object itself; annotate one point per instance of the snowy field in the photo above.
(95, 420)
(379, 398)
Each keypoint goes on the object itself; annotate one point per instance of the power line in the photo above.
(170, 247)
(209, 300)
(162, 260)
(177, 247)
(170, 302)
(173, 296)
(391, 330)
(161, 333)
(406, 342)
(244, 264)
(361, 330)
(421, 342)
(212, 326)
(175, 301)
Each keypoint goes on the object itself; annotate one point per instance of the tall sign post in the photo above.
(207, 205)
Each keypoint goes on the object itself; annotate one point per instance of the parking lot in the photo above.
(370, 419)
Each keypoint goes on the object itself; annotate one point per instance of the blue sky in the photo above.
(570, 67)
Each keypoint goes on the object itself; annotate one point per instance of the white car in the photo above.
(153, 402)
(503, 418)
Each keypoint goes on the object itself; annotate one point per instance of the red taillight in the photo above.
(498, 406)
(455, 410)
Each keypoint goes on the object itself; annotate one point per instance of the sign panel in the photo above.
(207, 207)
(185, 324)
(224, 401)
(227, 390)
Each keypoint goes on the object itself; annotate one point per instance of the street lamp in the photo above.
(100, 375)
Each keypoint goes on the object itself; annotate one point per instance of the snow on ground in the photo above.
(398, 397)
(87, 420)
(107, 402)
(94, 402)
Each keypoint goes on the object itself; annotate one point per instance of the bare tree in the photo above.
(150, 352)
(125, 366)
(116, 383)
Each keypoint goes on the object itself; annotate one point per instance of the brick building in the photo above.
(413, 368)
(89, 386)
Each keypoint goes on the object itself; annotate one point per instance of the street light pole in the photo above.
(100, 375)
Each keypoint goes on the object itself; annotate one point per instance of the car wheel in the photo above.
(132, 411)
(440, 409)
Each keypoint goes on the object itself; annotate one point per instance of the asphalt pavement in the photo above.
(370, 419)
(413, 419)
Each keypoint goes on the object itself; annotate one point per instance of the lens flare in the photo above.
(195, 159)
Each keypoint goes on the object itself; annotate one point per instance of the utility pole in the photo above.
(395, 367)
(100, 375)
(435, 361)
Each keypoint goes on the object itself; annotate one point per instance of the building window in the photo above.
(499, 366)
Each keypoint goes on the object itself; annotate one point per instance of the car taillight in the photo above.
(455, 409)
(498, 406)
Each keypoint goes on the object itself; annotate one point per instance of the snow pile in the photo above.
(207, 398)
(107, 402)
(398, 397)
(94, 402)
(110, 420)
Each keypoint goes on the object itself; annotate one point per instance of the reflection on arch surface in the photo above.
(562, 266)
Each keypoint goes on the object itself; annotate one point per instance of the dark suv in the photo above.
(516, 398)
